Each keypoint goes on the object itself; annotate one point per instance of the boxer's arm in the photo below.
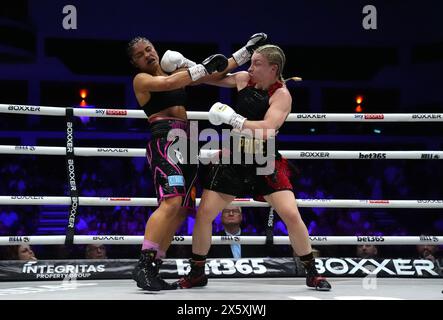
(145, 82)
(237, 80)
(213, 79)
(279, 109)
(174, 59)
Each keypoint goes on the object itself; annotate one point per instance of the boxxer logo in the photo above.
(426, 116)
(71, 173)
(69, 138)
(24, 108)
(398, 267)
(311, 116)
(73, 212)
(314, 154)
(116, 150)
(101, 238)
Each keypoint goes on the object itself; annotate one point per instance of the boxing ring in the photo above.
(263, 288)
(276, 289)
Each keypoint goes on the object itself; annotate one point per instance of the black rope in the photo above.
(270, 232)
(70, 169)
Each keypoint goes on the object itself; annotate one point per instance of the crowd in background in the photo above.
(312, 179)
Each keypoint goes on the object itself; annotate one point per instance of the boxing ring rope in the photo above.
(226, 240)
(220, 240)
(290, 154)
(203, 115)
(207, 153)
(246, 202)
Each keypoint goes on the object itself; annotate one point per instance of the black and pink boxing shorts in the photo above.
(172, 174)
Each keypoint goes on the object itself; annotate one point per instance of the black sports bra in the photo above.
(164, 99)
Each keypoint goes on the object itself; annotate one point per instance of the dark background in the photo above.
(397, 68)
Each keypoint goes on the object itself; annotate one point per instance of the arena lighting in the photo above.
(359, 100)
(83, 93)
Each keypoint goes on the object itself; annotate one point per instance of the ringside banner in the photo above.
(218, 268)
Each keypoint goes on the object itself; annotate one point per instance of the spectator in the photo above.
(366, 251)
(95, 251)
(431, 253)
(428, 252)
(20, 252)
(232, 218)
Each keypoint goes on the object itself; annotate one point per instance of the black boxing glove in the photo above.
(244, 54)
(216, 62)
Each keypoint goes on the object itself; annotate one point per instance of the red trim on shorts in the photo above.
(279, 180)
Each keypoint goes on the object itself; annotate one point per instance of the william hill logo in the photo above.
(230, 238)
(428, 239)
(19, 239)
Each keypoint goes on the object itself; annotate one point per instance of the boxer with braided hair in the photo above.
(162, 97)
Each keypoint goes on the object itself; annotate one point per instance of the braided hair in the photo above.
(132, 43)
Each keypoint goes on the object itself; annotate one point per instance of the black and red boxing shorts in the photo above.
(279, 180)
(243, 181)
(173, 172)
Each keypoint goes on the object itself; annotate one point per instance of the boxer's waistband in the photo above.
(160, 127)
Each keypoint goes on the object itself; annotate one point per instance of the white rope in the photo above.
(246, 202)
(225, 240)
(206, 153)
(203, 115)
(78, 151)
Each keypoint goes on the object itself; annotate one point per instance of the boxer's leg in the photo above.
(285, 205)
(170, 187)
(211, 204)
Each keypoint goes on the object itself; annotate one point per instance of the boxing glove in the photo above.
(222, 113)
(216, 62)
(173, 60)
(244, 54)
